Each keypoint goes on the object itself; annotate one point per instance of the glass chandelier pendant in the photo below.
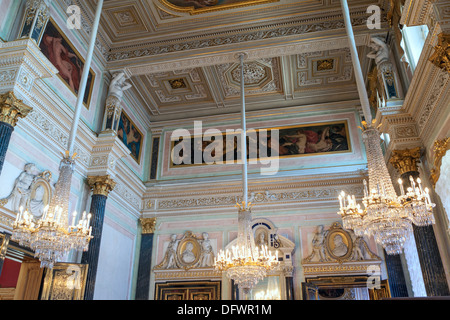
(246, 264)
(51, 237)
(387, 217)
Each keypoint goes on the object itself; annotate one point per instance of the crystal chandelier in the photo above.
(245, 263)
(386, 216)
(51, 237)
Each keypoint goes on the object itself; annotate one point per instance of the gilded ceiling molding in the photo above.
(405, 160)
(440, 148)
(441, 55)
(211, 5)
(11, 108)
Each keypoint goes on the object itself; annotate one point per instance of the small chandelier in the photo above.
(246, 264)
(51, 237)
(386, 216)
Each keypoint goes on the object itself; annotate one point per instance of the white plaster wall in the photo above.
(115, 263)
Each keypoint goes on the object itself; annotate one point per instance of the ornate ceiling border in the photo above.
(233, 37)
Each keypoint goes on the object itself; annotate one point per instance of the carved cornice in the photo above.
(415, 12)
(101, 185)
(228, 194)
(105, 154)
(237, 36)
(405, 160)
(440, 148)
(22, 63)
(148, 225)
(11, 108)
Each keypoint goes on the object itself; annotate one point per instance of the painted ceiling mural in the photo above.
(201, 5)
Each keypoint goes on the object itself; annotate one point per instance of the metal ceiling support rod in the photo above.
(84, 78)
(243, 134)
(356, 64)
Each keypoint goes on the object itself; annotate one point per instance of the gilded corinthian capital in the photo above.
(11, 108)
(441, 55)
(405, 160)
(101, 185)
(148, 225)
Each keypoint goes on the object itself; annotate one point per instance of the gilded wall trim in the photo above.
(440, 148)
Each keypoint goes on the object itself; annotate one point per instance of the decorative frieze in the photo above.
(255, 197)
(218, 40)
(435, 93)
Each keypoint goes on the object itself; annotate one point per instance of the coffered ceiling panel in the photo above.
(170, 91)
(126, 20)
(260, 77)
(317, 70)
(181, 54)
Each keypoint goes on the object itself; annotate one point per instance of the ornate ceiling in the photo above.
(181, 54)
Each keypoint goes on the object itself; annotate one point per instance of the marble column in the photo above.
(145, 258)
(405, 161)
(396, 277)
(101, 186)
(289, 281)
(11, 109)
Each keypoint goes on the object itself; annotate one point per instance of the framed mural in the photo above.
(69, 62)
(130, 135)
(198, 6)
(294, 141)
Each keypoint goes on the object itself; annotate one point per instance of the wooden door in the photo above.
(30, 280)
